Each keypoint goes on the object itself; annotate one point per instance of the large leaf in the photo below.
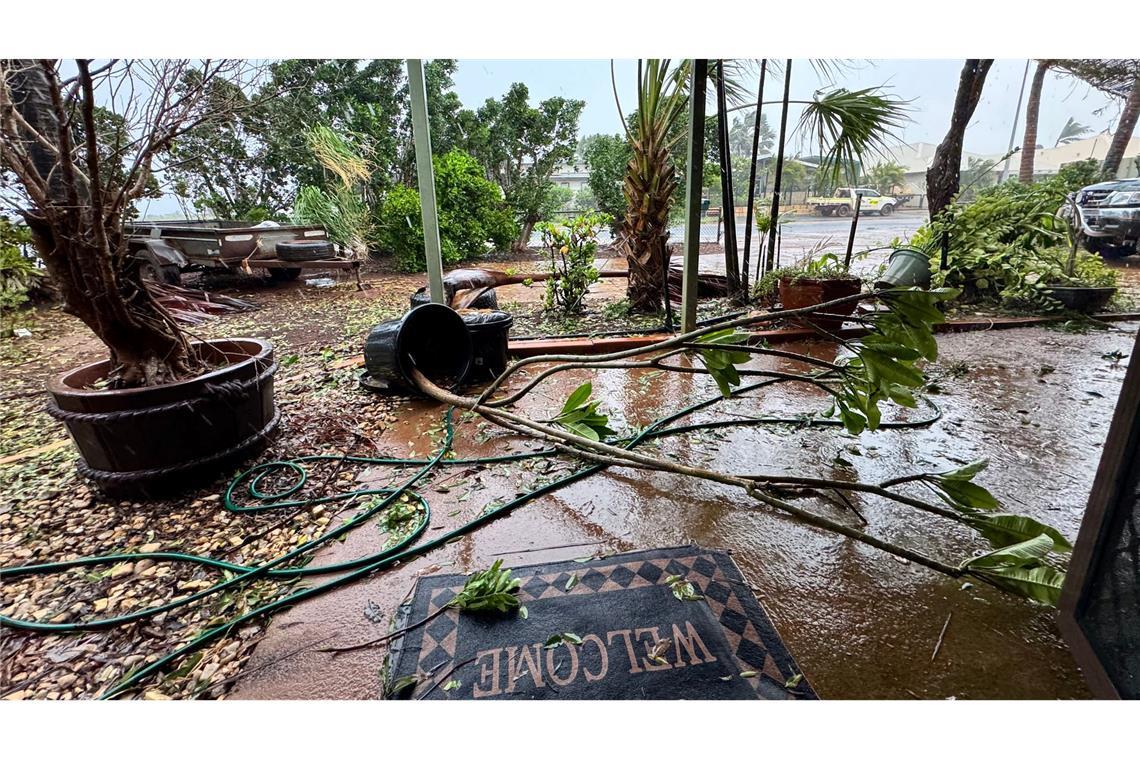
(1041, 583)
(1024, 554)
(578, 397)
(963, 493)
(966, 472)
(1003, 530)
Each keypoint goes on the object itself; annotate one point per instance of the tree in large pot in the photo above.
(160, 407)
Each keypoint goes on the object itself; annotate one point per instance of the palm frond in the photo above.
(849, 125)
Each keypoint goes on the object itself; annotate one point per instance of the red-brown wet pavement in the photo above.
(1035, 401)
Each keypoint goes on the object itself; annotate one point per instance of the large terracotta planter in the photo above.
(161, 438)
(804, 292)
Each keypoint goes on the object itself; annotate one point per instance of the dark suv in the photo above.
(1110, 216)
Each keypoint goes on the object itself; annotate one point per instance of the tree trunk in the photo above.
(775, 213)
(944, 174)
(522, 243)
(83, 245)
(727, 195)
(1032, 110)
(1124, 130)
(644, 235)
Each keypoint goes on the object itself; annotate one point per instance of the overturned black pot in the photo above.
(156, 440)
(431, 338)
(1083, 300)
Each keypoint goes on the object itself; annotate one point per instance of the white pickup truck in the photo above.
(842, 203)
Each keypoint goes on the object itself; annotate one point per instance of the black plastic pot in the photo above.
(1084, 300)
(154, 440)
(490, 331)
(431, 338)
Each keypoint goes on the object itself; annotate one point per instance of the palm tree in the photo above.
(846, 124)
(651, 177)
(1072, 131)
(1032, 109)
(1124, 129)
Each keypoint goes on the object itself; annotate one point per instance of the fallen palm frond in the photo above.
(193, 307)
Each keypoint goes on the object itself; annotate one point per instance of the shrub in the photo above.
(472, 215)
(572, 247)
(1009, 245)
(18, 273)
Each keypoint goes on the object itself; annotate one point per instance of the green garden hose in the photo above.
(284, 568)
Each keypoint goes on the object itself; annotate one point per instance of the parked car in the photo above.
(842, 203)
(1109, 216)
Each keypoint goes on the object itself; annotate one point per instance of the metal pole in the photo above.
(854, 226)
(693, 180)
(421, 135)
(1013, 132)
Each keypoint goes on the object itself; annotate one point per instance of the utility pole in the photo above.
(1013, 132)
(694, 178)
(425, 174)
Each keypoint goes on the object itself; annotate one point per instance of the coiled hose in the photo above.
(281, 567)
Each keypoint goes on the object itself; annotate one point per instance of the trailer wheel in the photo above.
(843, 210)
(284, 275)
(164, 274)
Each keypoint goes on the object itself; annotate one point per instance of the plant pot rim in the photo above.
(797, 280)
(59, 385)
(1092, 288)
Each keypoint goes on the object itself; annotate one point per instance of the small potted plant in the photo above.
(1078, 281)
(161, 407)
(816, 280)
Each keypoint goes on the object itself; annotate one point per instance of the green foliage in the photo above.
(225, 168)
(606, 158)
(471, 215)
(1078, 174)
(580, 415)
(572, 248)
(720, 360)
(1022, 569)
(885, 177)
(521, 146)
(1007, 246)
(342, 210)
(17, 271)
(883, 367)
(490, 590)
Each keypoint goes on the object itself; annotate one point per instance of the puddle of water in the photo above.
(861, 624)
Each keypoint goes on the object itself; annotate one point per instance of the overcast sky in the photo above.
(930, 84)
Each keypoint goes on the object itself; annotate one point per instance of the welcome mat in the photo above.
(624, 633)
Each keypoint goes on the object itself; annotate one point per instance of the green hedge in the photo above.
(473, 217)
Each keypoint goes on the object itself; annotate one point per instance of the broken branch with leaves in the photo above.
(1025, 554)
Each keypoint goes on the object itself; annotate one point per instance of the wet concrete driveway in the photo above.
(1035, 401)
